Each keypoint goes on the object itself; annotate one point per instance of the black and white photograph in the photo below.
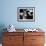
(26, 14)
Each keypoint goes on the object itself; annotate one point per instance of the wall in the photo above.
(8, 13)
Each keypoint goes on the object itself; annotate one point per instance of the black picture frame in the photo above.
(26, 14)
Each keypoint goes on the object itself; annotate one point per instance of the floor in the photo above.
(0, 44)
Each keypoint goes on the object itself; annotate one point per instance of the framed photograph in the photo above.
(26, 14)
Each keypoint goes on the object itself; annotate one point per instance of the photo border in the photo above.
(27, 20)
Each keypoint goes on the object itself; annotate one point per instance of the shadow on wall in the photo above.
(2, 26)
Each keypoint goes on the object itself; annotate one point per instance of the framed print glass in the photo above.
(26, 14)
